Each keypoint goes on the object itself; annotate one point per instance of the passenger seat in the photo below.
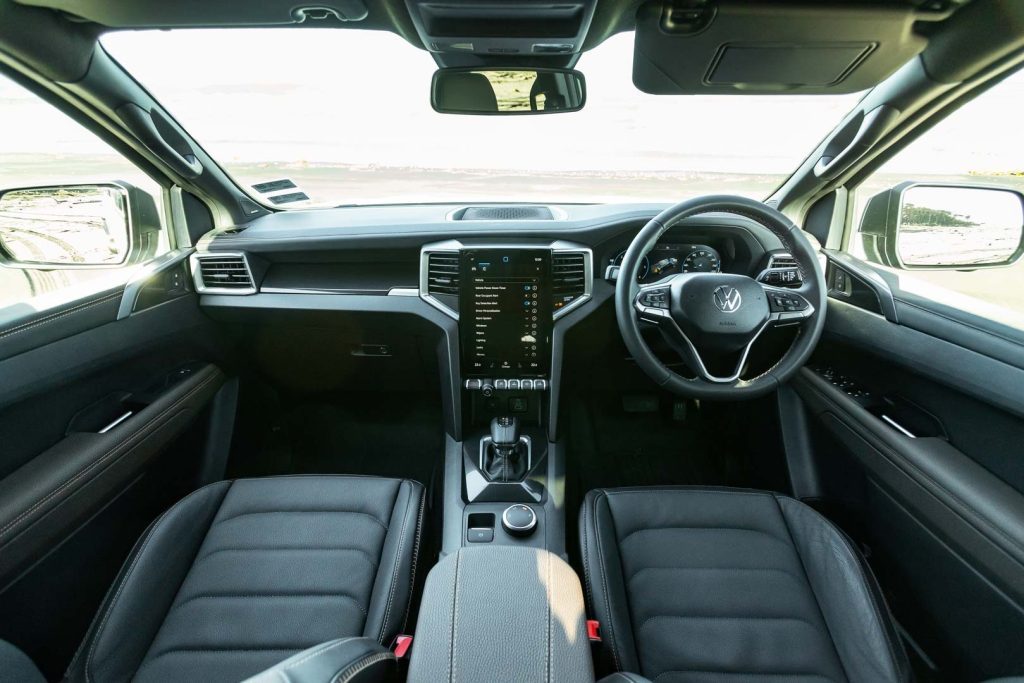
(241, 575)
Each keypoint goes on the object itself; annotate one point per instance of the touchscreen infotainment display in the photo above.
(505, 312)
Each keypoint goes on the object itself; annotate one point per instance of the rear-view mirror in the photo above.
(75, 226)
(944, 226)
(507, 91)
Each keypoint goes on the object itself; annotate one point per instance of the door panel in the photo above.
(104, 414)
(917, 420)
(48, 497)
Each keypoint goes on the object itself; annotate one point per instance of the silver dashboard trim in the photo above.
(138, 282)
(197, 276)
(557, 247)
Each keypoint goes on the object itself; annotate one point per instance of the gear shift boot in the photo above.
(505, 456)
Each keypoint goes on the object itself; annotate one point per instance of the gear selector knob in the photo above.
(505, 432)
(519, 520)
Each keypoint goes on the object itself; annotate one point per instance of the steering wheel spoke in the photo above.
(654, 305)
(788, 306)
(654, 301)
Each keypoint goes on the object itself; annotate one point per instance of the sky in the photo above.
(272, 103)
(362, 97)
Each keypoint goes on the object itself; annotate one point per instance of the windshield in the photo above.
(345, 115)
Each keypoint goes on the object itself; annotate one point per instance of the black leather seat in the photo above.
(696, 584)
(241, 575)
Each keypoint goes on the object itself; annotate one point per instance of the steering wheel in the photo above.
(720, 315)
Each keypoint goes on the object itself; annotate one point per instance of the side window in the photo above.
(947, 212)
(75, 216)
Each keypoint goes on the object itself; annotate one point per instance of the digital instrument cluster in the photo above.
(669, 259)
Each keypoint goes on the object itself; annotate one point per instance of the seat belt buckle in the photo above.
(401, 646)
(594, 631)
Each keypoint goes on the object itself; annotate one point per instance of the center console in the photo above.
(505, 614)
(504, 480)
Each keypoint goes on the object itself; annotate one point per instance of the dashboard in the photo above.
(389, 292)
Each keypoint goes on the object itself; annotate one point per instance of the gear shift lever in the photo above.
(505, 433)
(503, 458)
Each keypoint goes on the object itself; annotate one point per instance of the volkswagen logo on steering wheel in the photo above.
(727, 298)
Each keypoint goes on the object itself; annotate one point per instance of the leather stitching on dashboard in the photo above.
(25, 327)
(150, 426)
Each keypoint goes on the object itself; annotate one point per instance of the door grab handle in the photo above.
(895, 425)
(116, 422)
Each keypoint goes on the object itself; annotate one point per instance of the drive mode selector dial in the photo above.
(519, 520)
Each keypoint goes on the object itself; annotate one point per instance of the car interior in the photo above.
(726, 437)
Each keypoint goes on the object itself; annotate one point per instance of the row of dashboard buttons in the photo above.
(508, 384)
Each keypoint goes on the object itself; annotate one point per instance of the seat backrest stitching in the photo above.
(455, 620)
(547, 588)
(131, 569)
(398, 559)
(604, 576)
(810, 586)
(415, 557)
(882, 614)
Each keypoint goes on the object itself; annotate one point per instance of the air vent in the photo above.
(223, 273)
(443, 273)
(781, 261)
(569, 279)
(504, 213)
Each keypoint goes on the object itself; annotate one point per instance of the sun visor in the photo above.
(737, 47)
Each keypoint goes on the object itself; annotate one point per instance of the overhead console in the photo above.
(741, 47)
(467, 33)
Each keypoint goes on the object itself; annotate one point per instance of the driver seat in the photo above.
(713, 584)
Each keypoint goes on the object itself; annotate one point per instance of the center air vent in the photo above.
(223, 273)
(503, 213)
(443, 273)
(570, 281)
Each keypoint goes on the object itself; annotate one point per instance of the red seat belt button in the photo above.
(594, 630)
(401, 646)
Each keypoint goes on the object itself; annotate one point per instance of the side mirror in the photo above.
(507, 91)
(944, 226)
(77, 226)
